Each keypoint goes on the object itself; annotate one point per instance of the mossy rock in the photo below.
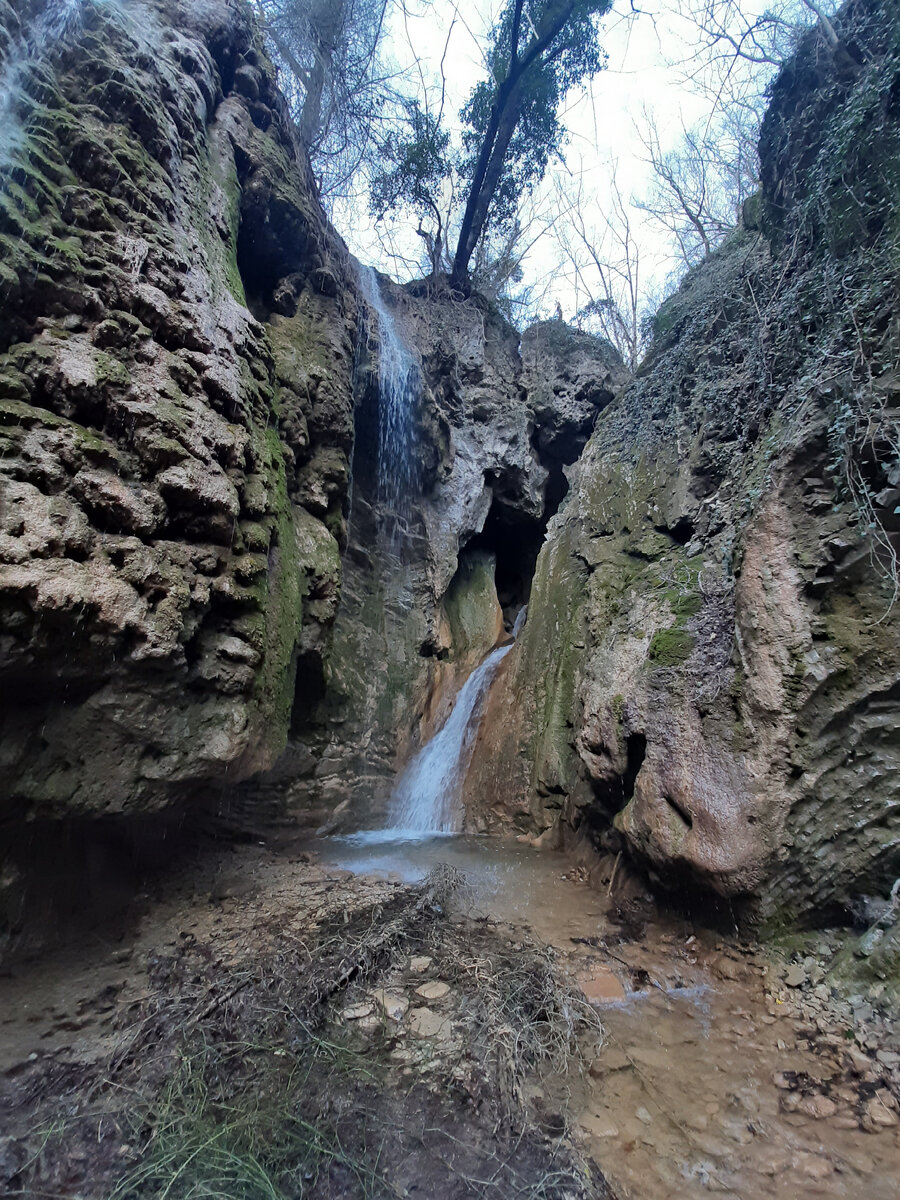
(671, 647)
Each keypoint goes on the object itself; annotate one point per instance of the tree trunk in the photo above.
(479, 201)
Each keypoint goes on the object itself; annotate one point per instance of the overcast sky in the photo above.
(648, 57)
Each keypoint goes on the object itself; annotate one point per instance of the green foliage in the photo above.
(571, 59)
(233, 1143)
(413, 167)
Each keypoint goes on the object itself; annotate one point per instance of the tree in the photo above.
(330, 56)
(412, 170)
(701, 184)
(540, 49)
(604, 262)
(732, 30)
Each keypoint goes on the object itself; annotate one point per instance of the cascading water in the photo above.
(57, 20)
(426, 799)
(398, 386)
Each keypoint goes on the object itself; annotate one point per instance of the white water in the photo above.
(58, 20)
(398, 385)
(427, 797)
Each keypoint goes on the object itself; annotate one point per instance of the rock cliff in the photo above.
(176, 347)
(496, 422)
(194, 564)
(709, 673)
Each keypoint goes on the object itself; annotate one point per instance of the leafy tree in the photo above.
(540, 50)
(412, 171)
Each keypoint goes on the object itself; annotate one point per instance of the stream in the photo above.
(682, 1100)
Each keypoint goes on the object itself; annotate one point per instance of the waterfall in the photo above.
(398, 386)
(57, 20)
(426, 799)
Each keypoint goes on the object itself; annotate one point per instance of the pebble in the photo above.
(394, 1007)
(877, 1116)
(817, 1107)
(356, 1011)
(427, 1024)
(434, 990)
(643, 1115)
(857, 1061)
(420, 964)
(795, 976)
(814, 1166)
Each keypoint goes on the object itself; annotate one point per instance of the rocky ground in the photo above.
(277, 1028)
(271, 1025)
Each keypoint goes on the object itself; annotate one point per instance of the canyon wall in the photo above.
(176, 348)
(710, 673)
(496, 423)
(185, 354)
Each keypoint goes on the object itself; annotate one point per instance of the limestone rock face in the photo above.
(176, 343)
(710, 665)
(495, 427)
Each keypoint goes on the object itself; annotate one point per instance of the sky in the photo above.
(651, 56)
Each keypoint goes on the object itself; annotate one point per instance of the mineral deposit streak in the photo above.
(426, 799)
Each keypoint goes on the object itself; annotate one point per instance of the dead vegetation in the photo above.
(237, 1077)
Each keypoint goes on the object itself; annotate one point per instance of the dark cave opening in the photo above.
(515, 541)
(612, 794)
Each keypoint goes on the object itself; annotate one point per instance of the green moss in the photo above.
(471, 606)
(223, 173)
(671, 647)
(687, 604)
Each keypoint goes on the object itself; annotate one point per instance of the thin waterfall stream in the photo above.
(49, 27)
(426, 800)
(399, 384)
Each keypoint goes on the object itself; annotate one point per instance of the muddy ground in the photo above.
(263, 1023)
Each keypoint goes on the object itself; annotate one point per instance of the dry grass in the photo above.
(242, 1083)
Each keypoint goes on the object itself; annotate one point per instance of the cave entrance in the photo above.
(514, 539)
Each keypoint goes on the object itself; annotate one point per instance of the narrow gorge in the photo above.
(434, 758)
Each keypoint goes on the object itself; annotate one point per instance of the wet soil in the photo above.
(715, 1077)
(431, 1049)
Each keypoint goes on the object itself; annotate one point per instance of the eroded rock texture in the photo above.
(176, 343)
(711, 658)
(495, 426)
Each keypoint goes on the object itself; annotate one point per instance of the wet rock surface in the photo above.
(707, 677)
(174, 431)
